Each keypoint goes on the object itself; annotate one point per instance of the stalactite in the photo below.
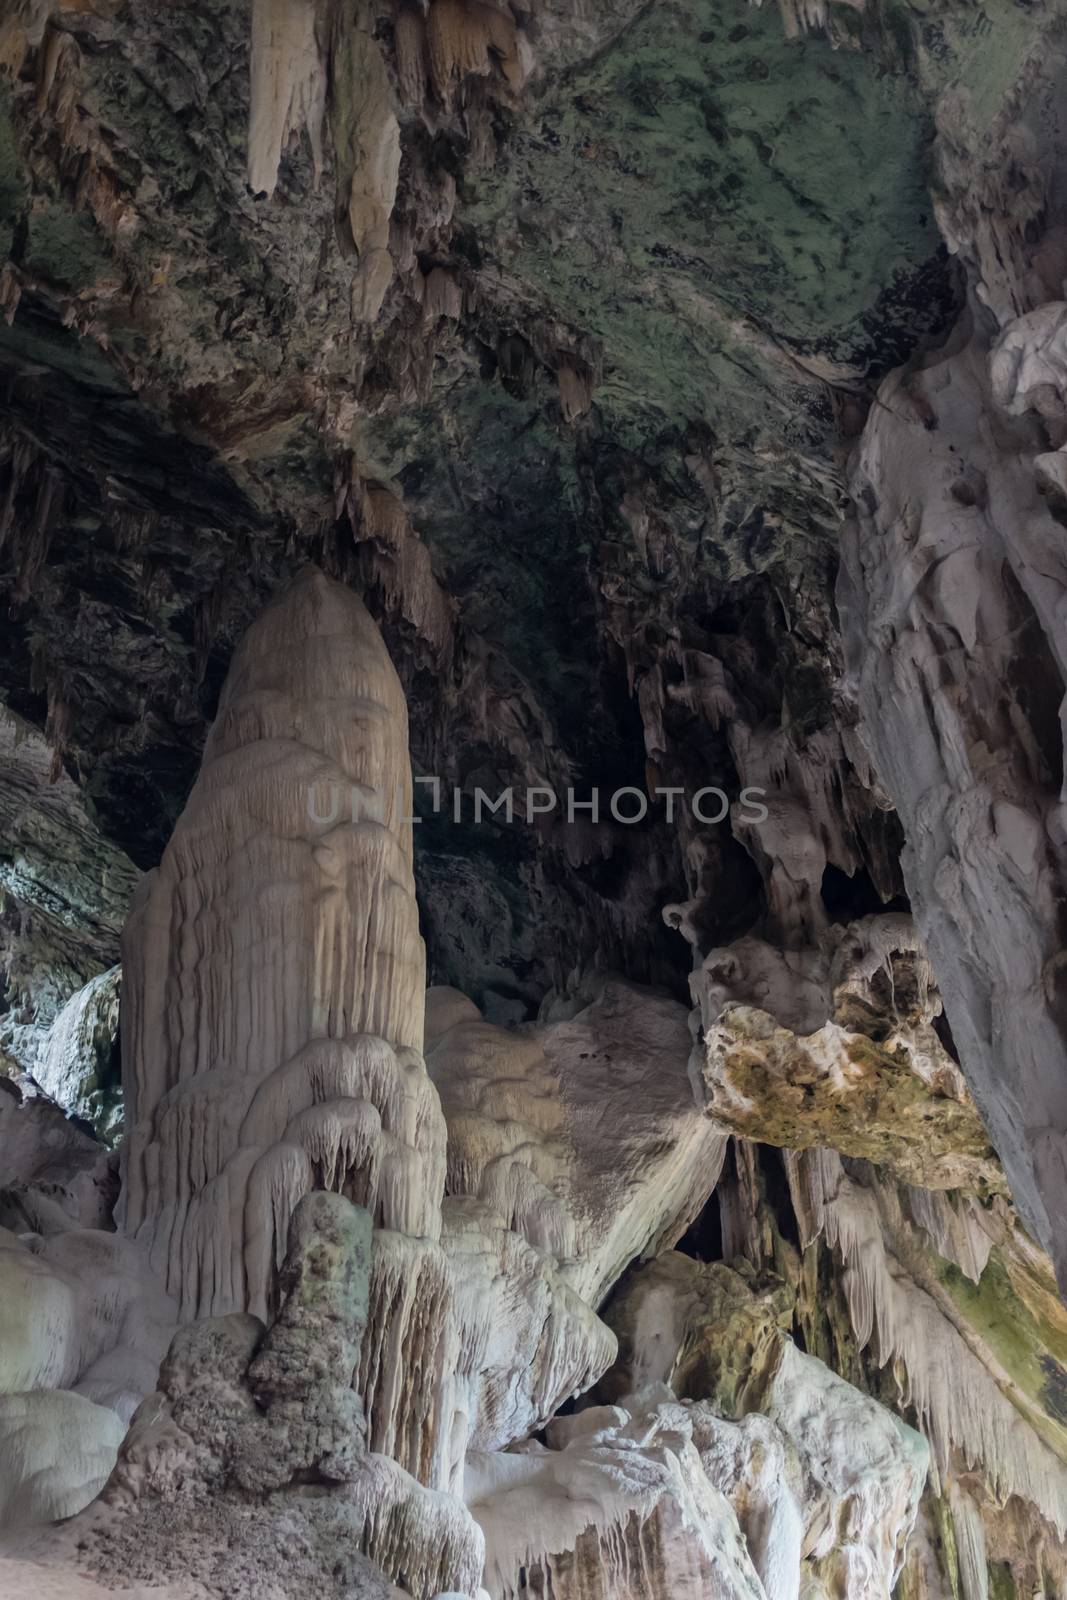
(288, 92)
(400, 566)
(958, 1402)
(409, 33)
(575, 389)
(465, 38)
(366, 138)
(442, 295)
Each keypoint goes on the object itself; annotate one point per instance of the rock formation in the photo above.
(530, 550)
(275, 971)
(585, 1136)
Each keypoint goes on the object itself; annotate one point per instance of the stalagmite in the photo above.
(274, 968)
(275, 1006)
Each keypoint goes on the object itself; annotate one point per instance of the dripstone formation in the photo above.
(418, 418)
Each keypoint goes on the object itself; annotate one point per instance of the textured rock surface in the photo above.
(50, 1162)
(548, 331)
(863, 1071)
(249, 1460)
(80, 1310)
(619, 1506)
(952, 600)
(585, 1135)
(65, 886)
(76, 1065)
(827, 1482)
(58, 1451)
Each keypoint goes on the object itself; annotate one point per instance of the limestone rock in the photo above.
(952, 603)
(75, 1065)
(301, 1070)
(709, 1332)
(252, 1447)
(618, 1507)
(58, 1450)
(80, 1310)
(66, 891)
(528, 1341)
(584, 1135)
(816, 1455)
(303, 1372)
(863, 1473)
(52, 1165)
(35, 1581)
(961, 1371)
(836, 1045)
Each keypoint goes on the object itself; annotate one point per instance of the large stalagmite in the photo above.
(275, 1000)
(275, 969)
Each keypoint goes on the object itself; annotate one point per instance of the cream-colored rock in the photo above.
(527, 1340)
(708, 1331)
(863, 1473)
(585, 1134)
(57, 1450)
(288, 88)
(274, 992)
(274, 970)
(752, 1464)
(966, 1402)
(814, 1456)
(247, 1471)
(81, 1310)
(618, 1509)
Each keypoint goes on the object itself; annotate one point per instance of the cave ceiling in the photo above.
(636, 319)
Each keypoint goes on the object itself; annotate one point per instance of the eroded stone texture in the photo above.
(952, 602)
(825, 1480)
(585, 1134)
(835, 1045)
(249, 1459)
